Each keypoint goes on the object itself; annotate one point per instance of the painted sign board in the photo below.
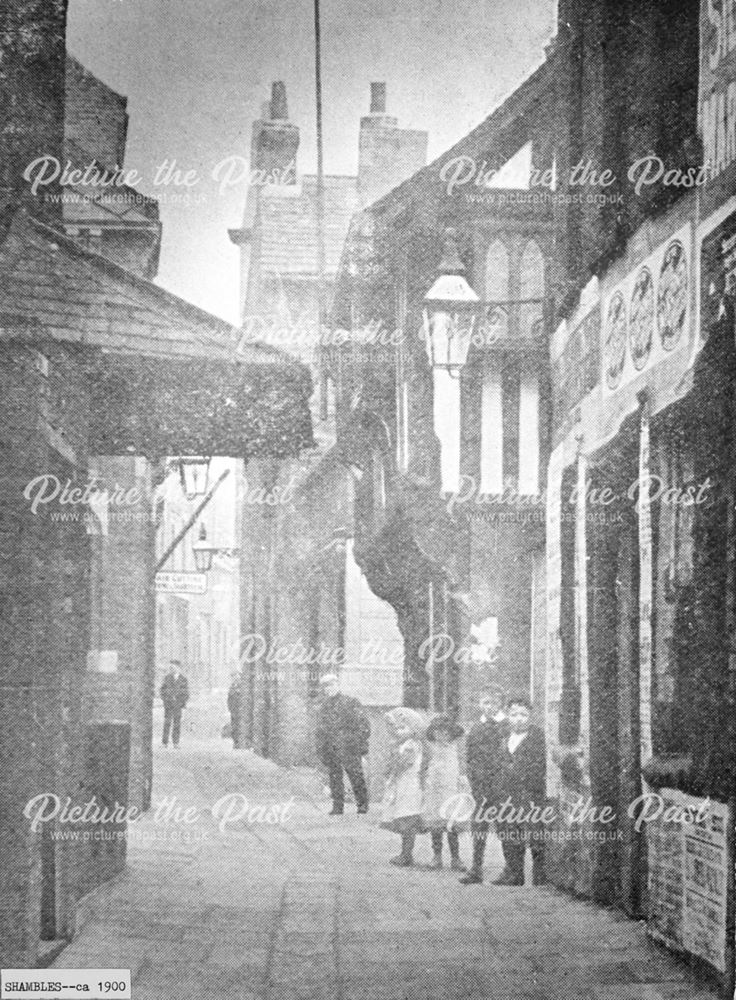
(181, 583)
(717, 101)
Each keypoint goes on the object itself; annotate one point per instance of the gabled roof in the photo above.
(48, 282)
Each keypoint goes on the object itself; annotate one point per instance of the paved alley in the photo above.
(310, 909)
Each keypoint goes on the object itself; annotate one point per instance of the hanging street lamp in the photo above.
(203, 551)
(450, 312)
(194, 472)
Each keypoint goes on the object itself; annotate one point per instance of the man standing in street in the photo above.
(483, 756)
(234, 697)
(522, 784)
(343, 731)
(175, 695)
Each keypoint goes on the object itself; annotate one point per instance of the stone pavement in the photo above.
(309, 909)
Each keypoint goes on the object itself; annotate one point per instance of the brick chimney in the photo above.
(275, 140)
(32, 69)
(387, 154)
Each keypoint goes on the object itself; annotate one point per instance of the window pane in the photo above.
(531, 281)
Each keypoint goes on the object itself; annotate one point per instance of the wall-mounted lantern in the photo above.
(194, 472)
(450, 312)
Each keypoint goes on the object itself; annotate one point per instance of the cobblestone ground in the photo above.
(310, 909)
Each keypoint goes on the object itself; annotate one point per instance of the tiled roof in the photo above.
(48, 284)
(165, 377)
(287, 224)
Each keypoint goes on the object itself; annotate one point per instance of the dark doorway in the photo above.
(613, 628)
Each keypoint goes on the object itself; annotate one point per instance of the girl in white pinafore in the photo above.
(402, 802)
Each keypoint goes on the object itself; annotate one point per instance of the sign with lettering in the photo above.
(717, 99)
(688, 876)
(181, 583)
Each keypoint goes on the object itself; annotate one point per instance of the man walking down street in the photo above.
(522, 784)
(483, 758)
(343, 732)
(175, 695)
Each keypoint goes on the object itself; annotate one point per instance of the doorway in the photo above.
(613, 629)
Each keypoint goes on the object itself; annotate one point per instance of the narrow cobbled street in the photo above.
(309, 909)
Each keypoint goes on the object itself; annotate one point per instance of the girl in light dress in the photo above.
(442, 782)
(402, 802)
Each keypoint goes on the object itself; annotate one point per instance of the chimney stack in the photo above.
(378, 98)
(279, 107)
(275, 140)
(387, 154)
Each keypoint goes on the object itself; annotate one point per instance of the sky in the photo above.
(196, 73)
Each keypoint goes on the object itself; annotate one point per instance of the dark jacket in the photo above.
(483, 756)
(522, 773)
(233, 698)
(175, 691)
(343, 729)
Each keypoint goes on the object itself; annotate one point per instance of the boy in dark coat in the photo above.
(175, 695)
(483, 752)
(343, 731)
(521, 784)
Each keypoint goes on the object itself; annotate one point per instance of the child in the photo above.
(441, 783)
(402, 803)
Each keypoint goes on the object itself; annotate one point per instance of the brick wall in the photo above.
(96, 118)
(44, 636)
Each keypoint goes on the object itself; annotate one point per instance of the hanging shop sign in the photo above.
(688, 868)
(646, 317)
(181, 583)
(717, 100)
